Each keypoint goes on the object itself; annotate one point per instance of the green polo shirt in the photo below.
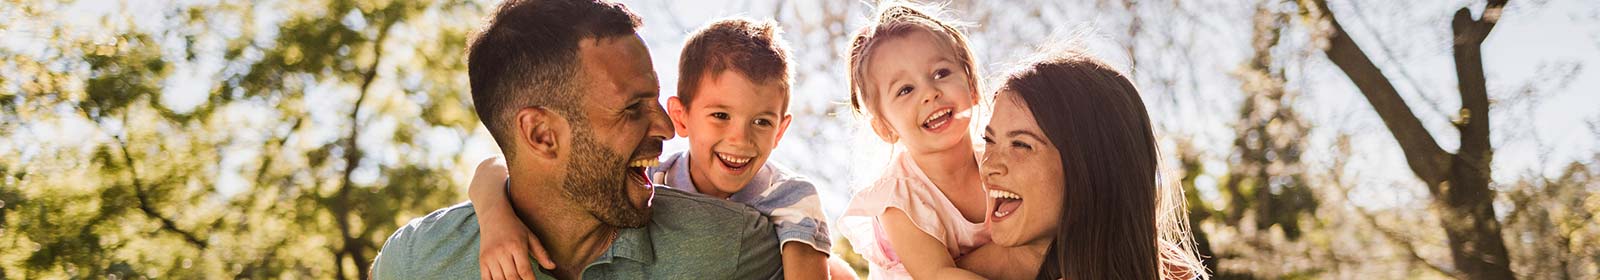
(688, 237)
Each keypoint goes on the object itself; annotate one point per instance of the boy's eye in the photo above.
(904, 90)
(941, 73)
(720, 115)
(763, 122)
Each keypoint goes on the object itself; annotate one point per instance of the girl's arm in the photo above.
(506, 242)
(923, 256)
(999, 262)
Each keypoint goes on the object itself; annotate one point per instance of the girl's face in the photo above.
(1023, 173)
(924, 96)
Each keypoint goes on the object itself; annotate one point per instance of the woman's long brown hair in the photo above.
(1111, 222)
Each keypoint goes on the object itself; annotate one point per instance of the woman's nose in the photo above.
(991, 165)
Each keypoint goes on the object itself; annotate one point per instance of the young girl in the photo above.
(914, 78)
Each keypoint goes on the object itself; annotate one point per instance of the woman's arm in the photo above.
(923, 256)
(506, 242)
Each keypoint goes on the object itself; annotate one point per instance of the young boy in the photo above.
(732, 105)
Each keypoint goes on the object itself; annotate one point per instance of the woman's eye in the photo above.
(986, 140)
(941, 73)
(904, 91)
(720, 115)
(1019, 144)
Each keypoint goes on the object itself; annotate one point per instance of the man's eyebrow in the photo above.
(640, 96)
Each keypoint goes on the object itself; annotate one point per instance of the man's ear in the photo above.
(542, 133)
(679, 114)
(881, 127)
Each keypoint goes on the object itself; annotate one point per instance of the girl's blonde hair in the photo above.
(897, 19)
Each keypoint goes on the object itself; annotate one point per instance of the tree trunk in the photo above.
(1459, 182)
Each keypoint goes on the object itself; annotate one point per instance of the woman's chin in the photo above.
(1004, 235)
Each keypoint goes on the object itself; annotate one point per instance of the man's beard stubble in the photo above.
(598, 181)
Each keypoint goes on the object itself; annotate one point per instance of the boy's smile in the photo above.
(732, 125)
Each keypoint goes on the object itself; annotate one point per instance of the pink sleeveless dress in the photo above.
(906, 187)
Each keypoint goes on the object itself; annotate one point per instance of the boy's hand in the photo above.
(505, 250)
(506, 242)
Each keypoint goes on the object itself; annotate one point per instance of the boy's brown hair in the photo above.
(894, 20)
(752, 48)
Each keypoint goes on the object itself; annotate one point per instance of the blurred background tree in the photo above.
(226, 139)
(289, 138)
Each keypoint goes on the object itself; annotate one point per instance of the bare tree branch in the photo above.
(1393, 236)
(1423, 154)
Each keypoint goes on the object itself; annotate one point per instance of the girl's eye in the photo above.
(904, 90)
(1019, 144)
(720, 115)
(941, 73)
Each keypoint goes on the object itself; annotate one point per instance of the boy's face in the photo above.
(732, 125)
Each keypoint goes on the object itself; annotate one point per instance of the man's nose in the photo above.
(660, 124)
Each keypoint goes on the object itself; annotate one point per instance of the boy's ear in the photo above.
(542, 133)
(679, 116)
(783, 126)
(883, 130)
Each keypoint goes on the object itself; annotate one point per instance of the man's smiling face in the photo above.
(617, 132)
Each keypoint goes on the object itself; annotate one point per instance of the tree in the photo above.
(333, 121)
(1459, 181)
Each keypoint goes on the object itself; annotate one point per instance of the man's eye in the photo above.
(720, 115)
(941, 73)
(634, 109)
(904, 90)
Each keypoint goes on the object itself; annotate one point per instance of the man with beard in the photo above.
(567, 90)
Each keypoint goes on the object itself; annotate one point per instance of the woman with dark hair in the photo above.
(1071, 167)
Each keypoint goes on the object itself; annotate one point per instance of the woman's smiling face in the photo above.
(1023, 173)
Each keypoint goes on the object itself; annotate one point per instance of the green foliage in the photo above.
(105, 176)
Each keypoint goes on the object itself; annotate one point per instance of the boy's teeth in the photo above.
(732, 159)
(644, 163)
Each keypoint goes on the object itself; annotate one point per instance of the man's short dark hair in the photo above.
(527, 56)
(752, 48)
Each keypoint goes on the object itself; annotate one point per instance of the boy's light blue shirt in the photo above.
(689, 236)
(788, 199)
